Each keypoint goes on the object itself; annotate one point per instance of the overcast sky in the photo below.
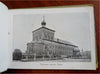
(73, 27)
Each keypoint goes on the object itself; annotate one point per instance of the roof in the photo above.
(44, 28)
(61, 42)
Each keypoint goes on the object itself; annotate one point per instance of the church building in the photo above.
(44, 46)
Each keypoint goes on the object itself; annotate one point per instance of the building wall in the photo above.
(43, 44)
(38, 35)
(59, 49)
(43, 34)
(49, 35)
(47, 48)
(35, 48)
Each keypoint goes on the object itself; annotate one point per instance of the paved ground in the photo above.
(76, 60)
(61, 60)
(35, 64)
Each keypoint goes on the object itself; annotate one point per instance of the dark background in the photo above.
(15, 4)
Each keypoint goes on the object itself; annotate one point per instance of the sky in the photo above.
(73, 27)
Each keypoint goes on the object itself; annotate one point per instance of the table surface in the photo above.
(47, 3)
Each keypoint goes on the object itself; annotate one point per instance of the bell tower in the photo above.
(43, 32)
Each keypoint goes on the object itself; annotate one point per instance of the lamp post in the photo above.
(50, 54)
(43, 53)
(34, 52)
(34, 56)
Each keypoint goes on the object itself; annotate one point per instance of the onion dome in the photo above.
(43, 23)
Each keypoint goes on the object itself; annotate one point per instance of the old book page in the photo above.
(4, 50)
(53, 38)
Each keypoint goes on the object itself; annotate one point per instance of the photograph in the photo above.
(56, 37)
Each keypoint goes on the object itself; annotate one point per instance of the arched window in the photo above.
(48, 37)
(45, 35)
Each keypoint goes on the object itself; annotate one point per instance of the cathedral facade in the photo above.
(45, 46)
